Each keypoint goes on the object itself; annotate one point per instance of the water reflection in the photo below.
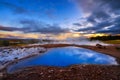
(64, 57)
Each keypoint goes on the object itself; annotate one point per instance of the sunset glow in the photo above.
(59, 19)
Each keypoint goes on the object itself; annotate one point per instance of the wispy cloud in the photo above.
(34, 26)
(5, 28)
(40, 27)
(102, 14)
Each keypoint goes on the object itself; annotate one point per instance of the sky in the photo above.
(63, 18)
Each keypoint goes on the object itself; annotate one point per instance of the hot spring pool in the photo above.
(65, 56)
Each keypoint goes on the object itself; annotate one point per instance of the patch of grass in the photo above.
(112, 41)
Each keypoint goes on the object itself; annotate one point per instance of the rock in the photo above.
(50, 71)
(100, 46)
(1, 67)
(41, 73)
(1, 76)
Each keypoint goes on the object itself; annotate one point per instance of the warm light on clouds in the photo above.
(62, 36)
(76, 35)
(7, 34)
(59, 19)
(94, 35)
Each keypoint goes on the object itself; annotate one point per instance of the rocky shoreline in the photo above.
(111, 70)
(74, 72)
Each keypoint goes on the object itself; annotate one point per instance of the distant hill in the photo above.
(105, 38)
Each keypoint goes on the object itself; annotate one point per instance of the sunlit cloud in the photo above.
(58, 20)
(62, 36)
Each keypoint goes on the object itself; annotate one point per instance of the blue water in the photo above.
(65, 56)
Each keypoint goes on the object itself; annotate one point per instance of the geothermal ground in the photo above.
(73, 72)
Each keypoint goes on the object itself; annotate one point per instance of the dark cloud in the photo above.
(99, 15)
(77, 24)
(31, 26)
(113, 4)
(97, 26)
(36, 26)
(115, 29)
(4, 28)
(96, 5)
(103, 13)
